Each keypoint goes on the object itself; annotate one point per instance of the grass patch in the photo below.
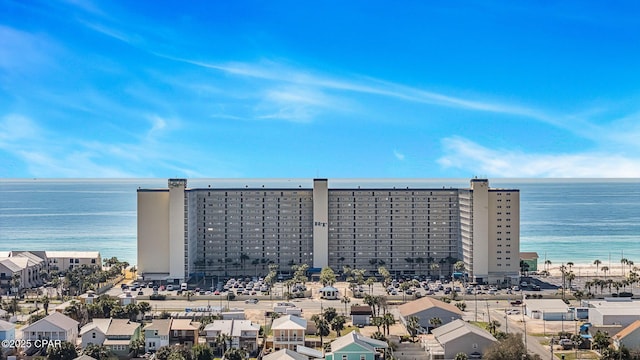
(571, 355)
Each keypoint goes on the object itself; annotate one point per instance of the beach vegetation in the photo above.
(327, 276)
(64, 351)
(413, 325)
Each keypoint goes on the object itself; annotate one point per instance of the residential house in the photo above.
(25, 268)
(156, 334)
(361, 314)
(84, 357)
(184, 332)
(288, 332)
(354, 346)
(285, 354)
(115, 334)
(459, 336)
(55, 326)
(7, 330)
(428, 308)
(94, 332)
(67, 260)
(120, 334)
(529, 261)
(243, 333)
(628, 337)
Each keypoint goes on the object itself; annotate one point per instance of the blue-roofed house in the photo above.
(354, 346)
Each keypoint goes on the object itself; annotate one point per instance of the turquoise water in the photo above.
(568, 220)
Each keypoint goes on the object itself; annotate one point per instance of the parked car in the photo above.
(251, 301)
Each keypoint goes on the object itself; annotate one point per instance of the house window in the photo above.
(363, 357)
(345, 357)
(475, 346)
(93, 335)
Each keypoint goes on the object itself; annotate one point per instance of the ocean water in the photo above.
(563, 220)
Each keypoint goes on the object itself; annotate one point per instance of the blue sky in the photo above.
(339, 89)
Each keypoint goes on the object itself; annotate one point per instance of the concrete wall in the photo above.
(320, 223)
(153, 232)
(177, 227)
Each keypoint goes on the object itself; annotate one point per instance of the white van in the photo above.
(183, 286)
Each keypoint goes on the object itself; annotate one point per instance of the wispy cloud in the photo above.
(112, 32)
(398, 155)
(23, 51)
(286, 74)
(49, 153)
(467, 155)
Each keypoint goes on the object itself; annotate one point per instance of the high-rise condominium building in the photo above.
(226, 231)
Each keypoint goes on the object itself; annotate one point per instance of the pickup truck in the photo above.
(516, 303)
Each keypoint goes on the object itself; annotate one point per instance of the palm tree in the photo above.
(137, 346)
(345, 300)
(623, 262)
(547, 264)
(435, 321)
(413, 324)
(235, 354)
(388, 320)
(243, 259)
(605, 269)
(597, 263)
(15, 283)
(337, 324)
(132, 310)
(570, 277)
(322, 327)
(223, 340)
(494, 325)
(370, 282)
(255, 263)
(434, 267)
(45, 304)
(419, 260)
(377, 321)
(144, 307)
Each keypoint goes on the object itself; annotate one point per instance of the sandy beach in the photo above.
(589, 270)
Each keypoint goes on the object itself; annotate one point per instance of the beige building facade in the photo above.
(230, 231)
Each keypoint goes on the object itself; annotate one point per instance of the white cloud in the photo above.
(283, 74)
(25, 52)
(398, 155)
(467, 155)
(157, 124)
(49, 153)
